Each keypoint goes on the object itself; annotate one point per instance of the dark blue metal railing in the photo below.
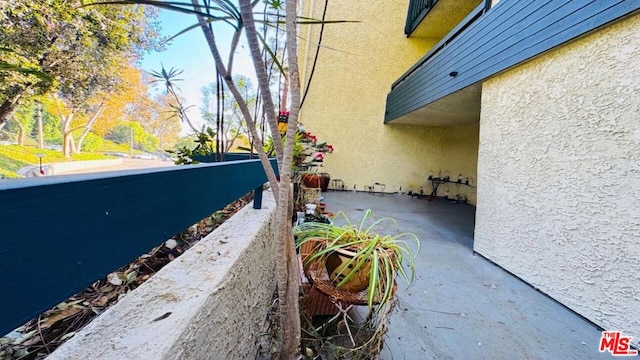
(418, 9)
(62, 233)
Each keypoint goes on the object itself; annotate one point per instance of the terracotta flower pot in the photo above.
(319, 180)
(311, 180)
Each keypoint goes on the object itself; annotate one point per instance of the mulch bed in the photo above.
(42, 335)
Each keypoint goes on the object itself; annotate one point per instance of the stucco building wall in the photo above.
(559, 175)
(460, 157)
(346, 101)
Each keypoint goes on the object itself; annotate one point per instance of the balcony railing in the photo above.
(418, 9)
(62, 233)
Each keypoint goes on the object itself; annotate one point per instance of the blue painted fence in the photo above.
(60, 234)
(225, 157)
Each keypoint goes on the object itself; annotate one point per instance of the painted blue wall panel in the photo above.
(62, 233)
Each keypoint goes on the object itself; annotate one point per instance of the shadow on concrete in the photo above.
(462, 306)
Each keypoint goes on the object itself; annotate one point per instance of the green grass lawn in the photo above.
(15, 157)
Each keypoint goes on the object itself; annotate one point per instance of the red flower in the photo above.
(318, 156)
(329, 148)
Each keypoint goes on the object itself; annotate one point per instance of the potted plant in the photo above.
(356, 258)
(315, 180)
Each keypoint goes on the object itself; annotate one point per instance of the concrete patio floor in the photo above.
(462, 306)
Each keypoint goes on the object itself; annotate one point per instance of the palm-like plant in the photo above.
(384, 257)
(241, 17)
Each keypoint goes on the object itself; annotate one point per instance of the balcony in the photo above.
(444, 86)
(433, 19)
(418, 9)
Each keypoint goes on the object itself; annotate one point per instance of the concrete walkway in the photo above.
(462, 306)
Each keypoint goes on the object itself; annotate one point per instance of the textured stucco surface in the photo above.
(559, 175)
(460, 149)
(345, 104)
(218, 294)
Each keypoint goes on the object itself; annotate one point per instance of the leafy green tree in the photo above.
(159, 121)
(51, 128)
(189, 142)
(92, 142)
(77, 47)
(141, 139)
(22, 122)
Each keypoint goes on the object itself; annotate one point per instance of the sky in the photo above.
(189, 52)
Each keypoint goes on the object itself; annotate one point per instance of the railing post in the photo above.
(257, 197)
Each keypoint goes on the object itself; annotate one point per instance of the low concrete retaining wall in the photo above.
(210, 303)
(60, 168)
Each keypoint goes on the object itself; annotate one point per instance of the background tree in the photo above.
(121, 99)
(141, 139)
(161, 123)
(22, 122)
(77, 47)
(227, 119)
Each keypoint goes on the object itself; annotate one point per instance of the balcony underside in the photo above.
(486, 44)
(461, 107)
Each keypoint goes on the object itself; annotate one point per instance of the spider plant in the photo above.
(389, 255)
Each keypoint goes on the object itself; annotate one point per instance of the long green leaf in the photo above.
(271, 54)
(231, 7)
(373, 280)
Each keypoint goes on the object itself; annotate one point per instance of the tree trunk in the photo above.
(246, 11)
(65, 123)
(7, 107)
(39, 121)
(88, 127)
(288, 276)
(66, 152)
(20, 131)
(211, 42)
(285, 95)
(72, 144)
